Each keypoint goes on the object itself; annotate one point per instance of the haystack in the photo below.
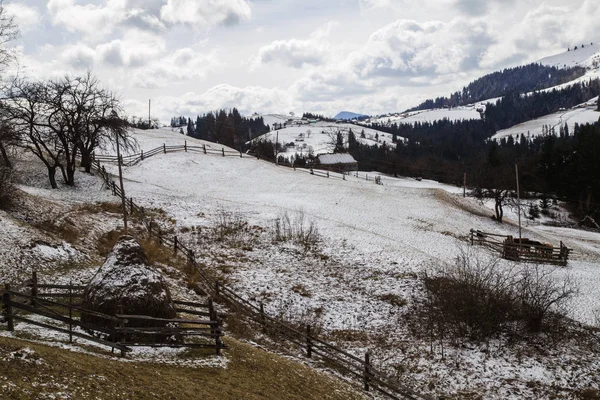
(127, 284)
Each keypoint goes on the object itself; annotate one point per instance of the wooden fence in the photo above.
(524, 250)
(62, 304)
(313, 347)
(133, 159)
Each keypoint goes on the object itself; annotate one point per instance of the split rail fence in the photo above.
(524, 250)
(354, 366)
(61, 307)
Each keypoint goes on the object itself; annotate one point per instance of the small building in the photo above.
(337, 162)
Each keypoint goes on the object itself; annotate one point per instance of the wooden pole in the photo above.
(149, 120)
(518, 200)
(367, 372)
(34, 288)
(71, 312)
(465, 185)
(175, 245)
(262, 317)
(6, 299)
(119, 162)
(308, 342)
(276, 145)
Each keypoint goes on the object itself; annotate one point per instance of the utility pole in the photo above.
(465, 185)
(276, 145)
(518, 200)
(121, 185)
(149, 120)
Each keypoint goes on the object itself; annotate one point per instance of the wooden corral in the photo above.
(523, 249)
(62, 304)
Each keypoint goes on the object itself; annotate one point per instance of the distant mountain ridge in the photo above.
(347, 115)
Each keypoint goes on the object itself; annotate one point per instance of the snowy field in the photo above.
(533, 128)
(453, 114)
(403, 223)
(376, 239)
(301, 138)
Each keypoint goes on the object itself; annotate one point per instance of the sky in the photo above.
(279, 56)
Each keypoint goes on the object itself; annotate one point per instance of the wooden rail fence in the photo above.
(524, 250)
(357, 367)
(132, 159)
(43, 300)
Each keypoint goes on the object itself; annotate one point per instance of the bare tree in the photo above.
(25, 110)
(60, 119)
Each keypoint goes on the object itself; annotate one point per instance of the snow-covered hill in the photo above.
(453, 114)
(376, 238)
(584, 114)
(587, 56)
(302, 137)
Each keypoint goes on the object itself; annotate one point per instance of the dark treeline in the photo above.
(309, 115)
(515, 108)
(227, 127)
(522, 79)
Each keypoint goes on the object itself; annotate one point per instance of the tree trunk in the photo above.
(52, 177)
(70, 176)
(5, 156)
(64, 174)
(86, 160)
(499, 211)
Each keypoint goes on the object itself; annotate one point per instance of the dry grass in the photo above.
(393, 299)
(251, 374)
(301, 290)
(101, 207)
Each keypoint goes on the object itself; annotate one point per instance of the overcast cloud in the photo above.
(368, 56)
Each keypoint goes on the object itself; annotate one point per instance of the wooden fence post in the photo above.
(223, 151)
(165, 148)
(472, 240)
(328, 174)
(142, 155)
(185, 145)
(114, 190)
(216, 288)
(130, 205)
(175, 245)
(240, 154)
(308, 342)
(6, 299)
(34, 288)
(367, 370)
(70, 311)
(263, 319)
(204, 148)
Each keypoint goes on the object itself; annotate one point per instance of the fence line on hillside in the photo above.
(357, 367)
(132, 159)
(44, 300)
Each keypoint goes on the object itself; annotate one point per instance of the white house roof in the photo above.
(342, 158)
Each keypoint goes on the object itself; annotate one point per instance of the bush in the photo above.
(233, 229)
(296, 229)
(478, 298)
(7, 188)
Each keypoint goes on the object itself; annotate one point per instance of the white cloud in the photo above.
(135, 49)
(27, 18)
(408, 48)
(247, 100)
(296, 53)
(202, 14)
(96, 21)
(184, 64)
(293, 53)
